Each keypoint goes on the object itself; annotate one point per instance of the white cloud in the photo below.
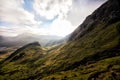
(12, 31)
(70, 14)
(60, 27)
(11, 11)
(51, 8)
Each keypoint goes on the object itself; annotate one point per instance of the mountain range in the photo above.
(27, 38)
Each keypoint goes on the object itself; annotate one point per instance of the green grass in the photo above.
(85, 72)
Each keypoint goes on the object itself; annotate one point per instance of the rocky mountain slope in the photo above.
(91, 53)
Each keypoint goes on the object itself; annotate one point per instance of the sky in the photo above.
(44, 17)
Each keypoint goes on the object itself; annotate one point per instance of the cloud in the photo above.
(69, 12)
(12, 12)
(63, 16)
(12, 31)
(51, 8)
(60, 27)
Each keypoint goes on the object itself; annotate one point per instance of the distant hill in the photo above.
(29, 52)
(26, 38)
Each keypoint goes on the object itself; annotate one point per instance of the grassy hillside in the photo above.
(107, 69)
(19, 64)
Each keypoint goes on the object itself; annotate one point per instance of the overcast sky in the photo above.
(44, 17)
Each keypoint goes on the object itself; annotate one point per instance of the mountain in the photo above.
(95, 42)
(26, 38)
(29, 52)
(105, 15)
(92, 52)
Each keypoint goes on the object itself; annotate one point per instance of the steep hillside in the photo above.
(98, 38)
(107, 14)
(91, 53)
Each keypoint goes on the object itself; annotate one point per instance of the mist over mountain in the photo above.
(26, 38)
